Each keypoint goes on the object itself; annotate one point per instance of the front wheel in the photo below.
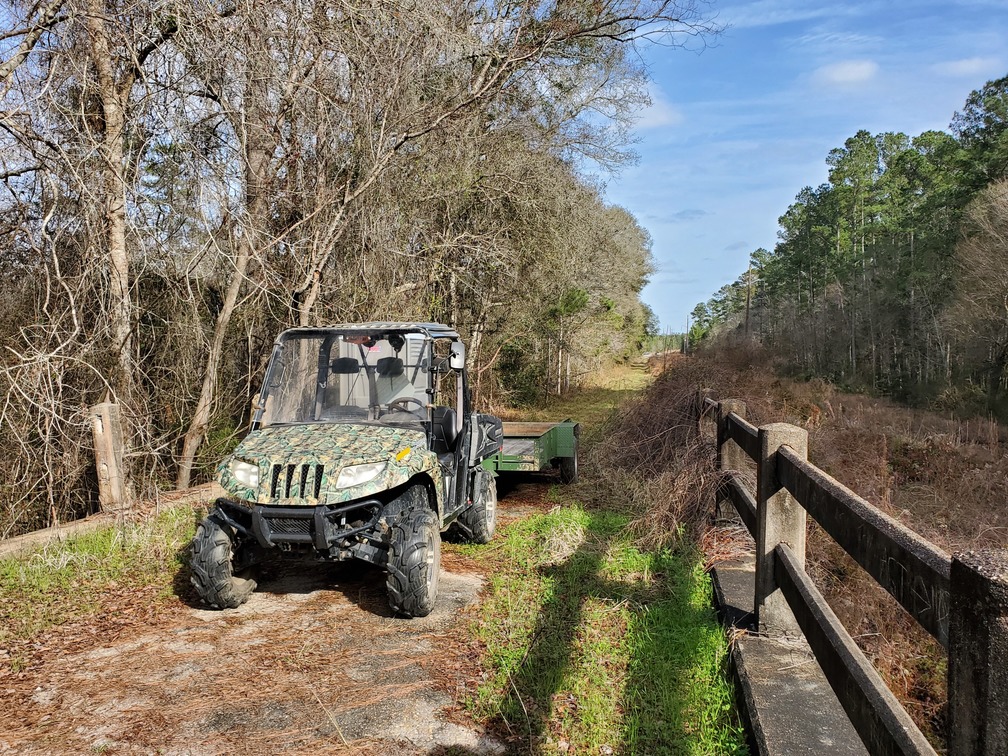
(414, 562)
(212, 565)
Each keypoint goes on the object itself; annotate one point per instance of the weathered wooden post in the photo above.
(106, 428)
(978, 653)
(780, 519)
(730, 456)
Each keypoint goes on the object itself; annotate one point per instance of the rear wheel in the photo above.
(479, 521)
(212, 565)
(414, 562)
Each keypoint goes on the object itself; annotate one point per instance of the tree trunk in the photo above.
(560, 352)
(114, 189)
(254, 179)
(208, 392)
(997, 371)
(306, 303)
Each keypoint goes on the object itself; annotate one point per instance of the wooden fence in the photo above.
(961, 600)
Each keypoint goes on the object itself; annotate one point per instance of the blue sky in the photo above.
(737, 129)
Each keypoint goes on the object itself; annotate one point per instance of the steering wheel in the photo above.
(401, 404)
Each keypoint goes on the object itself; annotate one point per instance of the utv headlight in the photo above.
(357, 474)
(245, 473)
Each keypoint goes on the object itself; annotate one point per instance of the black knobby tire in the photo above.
(414, 562)
(569, 467)
(212, 566)
(479, 521)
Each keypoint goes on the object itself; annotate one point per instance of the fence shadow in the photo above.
(676, 664)
(529, 706)
(673, 662)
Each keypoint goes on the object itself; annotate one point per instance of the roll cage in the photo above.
(384, 372)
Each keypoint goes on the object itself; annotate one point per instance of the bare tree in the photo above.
(119, 37)
(45, 18)
(182, 178)
(354, 89)
(980, 308)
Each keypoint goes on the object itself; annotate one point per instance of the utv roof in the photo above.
(435, 330)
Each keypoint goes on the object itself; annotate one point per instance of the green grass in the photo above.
(592, 404)
(593, 644)
(64, 581)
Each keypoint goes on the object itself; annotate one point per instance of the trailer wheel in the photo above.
(212, 566)
(479, 521)
(414, 562)
(569, 467)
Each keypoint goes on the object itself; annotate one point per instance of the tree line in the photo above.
(892, 276)
(181, 179)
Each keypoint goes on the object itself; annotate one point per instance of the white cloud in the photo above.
(846, 72)
(834, 41)
(661, 113)
(736, 246)
(689, 214)
(772, 13)
(969, 67)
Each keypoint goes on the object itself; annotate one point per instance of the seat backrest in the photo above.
(389, 367)
(443, 433)
(346, 366)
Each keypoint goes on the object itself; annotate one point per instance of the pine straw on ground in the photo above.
(945, 478)
(145, 671)
(91, 683)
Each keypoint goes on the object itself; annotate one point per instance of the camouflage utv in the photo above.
(363, 446)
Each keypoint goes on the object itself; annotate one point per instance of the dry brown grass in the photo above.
(947, 479)
(944, 478)
(651, 456)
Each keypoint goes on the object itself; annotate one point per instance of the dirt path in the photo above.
(314, 662)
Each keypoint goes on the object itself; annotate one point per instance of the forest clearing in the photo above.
(109, 625)
(182, 180)
(139, 643)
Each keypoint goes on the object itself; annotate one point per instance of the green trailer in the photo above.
(535, 447)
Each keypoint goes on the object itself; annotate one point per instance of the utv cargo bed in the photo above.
(535, 447)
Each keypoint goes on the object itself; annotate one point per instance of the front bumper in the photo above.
(323, 527)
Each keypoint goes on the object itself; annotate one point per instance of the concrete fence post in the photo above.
(701, 409)
(781, 519)
(106, 429)
(978, 653)
(730, 456)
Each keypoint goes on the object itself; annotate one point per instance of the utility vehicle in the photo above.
(363, 445)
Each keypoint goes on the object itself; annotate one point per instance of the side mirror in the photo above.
(457, 359)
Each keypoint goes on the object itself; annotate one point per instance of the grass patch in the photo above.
(65, 580)
(591, 404)
(594, 645)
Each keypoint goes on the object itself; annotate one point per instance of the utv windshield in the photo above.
(347, 377)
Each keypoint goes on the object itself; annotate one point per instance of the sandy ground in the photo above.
(313, 663)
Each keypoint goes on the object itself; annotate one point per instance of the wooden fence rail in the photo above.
(962, 600)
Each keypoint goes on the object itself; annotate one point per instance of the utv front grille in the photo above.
(296, 481)
(320, 526)
(289, 525)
